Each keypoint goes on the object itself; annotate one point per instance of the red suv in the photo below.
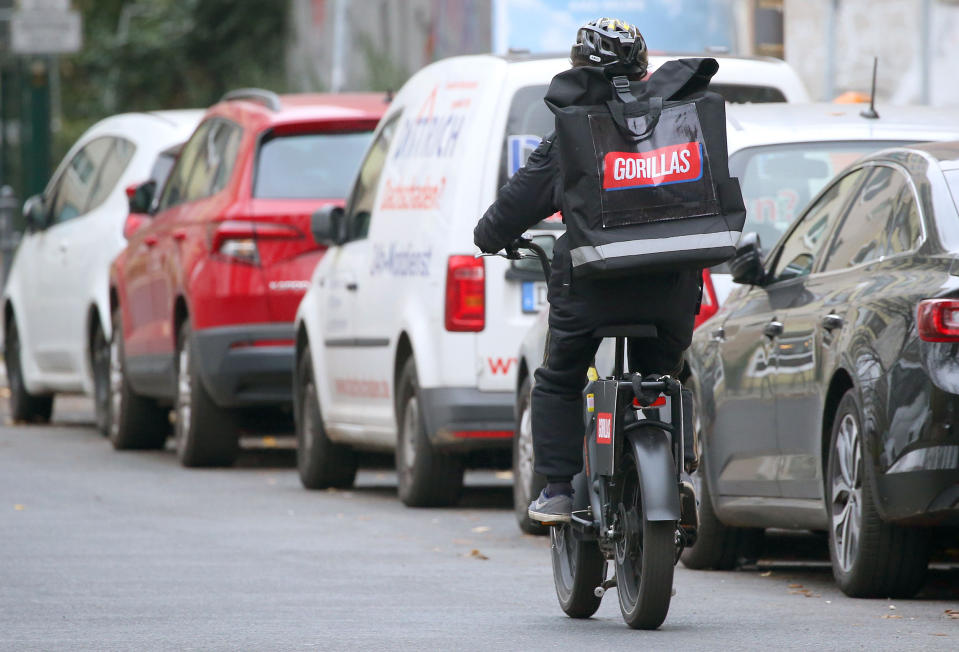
(204, 295)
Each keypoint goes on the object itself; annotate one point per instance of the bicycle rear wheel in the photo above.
(644, 558)
(577, 571)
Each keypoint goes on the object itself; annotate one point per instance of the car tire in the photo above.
(870, 558)
(206, 434)
(321, 463)
(718, 546)
(24, 406)
(526, 482)
(134, 422)
(425, 477)
(100, 366)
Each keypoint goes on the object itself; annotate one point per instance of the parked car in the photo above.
(783, 155)
(827, 385)
(203, 297)
(56, 314)
(405, 341)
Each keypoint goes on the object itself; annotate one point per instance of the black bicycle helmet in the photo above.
(613, 44)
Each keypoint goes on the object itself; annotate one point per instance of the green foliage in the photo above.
(166, 54)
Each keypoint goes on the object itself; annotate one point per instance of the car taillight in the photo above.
(238, 239)
(465, 294)
(710, 304)
(937, 320)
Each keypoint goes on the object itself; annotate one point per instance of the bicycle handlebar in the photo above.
(525, 243)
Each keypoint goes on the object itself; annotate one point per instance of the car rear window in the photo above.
(779, 180)
(309, 166)
(746, 94)
(952, 178)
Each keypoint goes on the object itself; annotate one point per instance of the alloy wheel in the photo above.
(411, 425)
(184, 388)
(846, 504)
(116, 384)
(306, 418)
(524, 446)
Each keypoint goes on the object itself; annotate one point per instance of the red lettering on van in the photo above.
(500, 365)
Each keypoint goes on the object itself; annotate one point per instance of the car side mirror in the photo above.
(140, 196)
(747, 265)
(35, 213)
(327, 225)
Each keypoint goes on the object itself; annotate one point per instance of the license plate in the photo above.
(534, 296)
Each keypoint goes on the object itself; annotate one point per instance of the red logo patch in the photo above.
(604, 428)
(670, 164)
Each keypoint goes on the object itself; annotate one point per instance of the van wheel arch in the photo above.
(840, 383)
(404, 351)
(180, 314)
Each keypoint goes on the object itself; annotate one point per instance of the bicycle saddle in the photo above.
(634, 330)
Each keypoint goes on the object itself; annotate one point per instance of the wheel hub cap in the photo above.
(846, 506)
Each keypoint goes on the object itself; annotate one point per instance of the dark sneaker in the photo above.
(551, 509)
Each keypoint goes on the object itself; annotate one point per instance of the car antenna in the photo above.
(870, 113)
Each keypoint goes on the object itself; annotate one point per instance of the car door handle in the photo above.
(718, 334)
(352, 287)
(832, 321)
(773, 329)
(150, 240)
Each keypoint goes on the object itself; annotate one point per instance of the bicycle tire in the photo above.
(578, 567)
(644, 596)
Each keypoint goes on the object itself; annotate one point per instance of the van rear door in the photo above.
(515, 291)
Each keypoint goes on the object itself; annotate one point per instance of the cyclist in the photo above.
(577, 308)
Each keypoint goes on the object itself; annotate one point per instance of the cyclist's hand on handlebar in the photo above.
(512, 249)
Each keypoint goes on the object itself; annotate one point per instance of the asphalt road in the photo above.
(104, 550)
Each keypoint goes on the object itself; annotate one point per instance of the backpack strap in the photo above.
(652, 108)
(681, 78)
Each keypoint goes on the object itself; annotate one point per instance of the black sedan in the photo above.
(827, 387)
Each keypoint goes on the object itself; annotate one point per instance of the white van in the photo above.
(406, 342)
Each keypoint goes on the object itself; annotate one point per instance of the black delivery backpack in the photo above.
(646, 185)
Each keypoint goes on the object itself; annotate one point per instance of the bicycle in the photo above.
(633, 505)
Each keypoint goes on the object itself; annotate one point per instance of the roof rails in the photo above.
(269, 99)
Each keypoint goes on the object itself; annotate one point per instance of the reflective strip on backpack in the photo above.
(588, 254)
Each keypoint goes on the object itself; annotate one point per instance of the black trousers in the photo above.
(669, 301)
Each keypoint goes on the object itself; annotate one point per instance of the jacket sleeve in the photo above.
(527, 198)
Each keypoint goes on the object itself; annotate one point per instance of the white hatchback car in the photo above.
(56, 310)
(405, 341)
(783, 156)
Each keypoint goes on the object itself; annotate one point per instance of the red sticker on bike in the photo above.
(604, 428)
(659, 167)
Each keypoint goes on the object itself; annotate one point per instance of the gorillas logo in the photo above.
(670, 164)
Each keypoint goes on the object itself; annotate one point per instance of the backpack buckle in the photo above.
(620, 83)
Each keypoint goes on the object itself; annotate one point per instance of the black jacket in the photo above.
(531, 195)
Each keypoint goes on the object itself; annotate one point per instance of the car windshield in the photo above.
(309, 166)
(952, 178)
(779, 180)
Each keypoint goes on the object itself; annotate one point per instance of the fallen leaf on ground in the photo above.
(18, 508)
(952, 613)
(891, 616)
(462, 542)
(476, 554)
(940, 634)
(269, 442)
(481, 528)
(795, 586)
(765, 573)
